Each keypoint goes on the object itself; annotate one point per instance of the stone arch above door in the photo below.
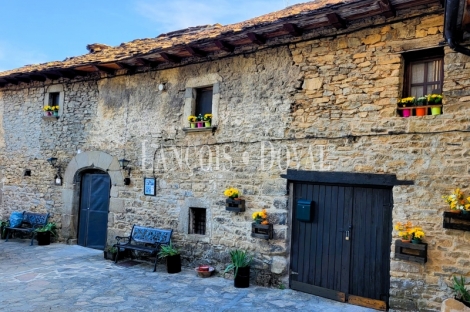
(71, 189)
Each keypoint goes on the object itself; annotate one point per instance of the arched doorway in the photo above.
(95, 188)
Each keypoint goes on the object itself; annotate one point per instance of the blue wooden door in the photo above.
(94, 206)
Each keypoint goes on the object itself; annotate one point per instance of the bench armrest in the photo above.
(118, 238)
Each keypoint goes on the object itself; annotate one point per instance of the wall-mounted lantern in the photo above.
(124, 163)
(58, 178)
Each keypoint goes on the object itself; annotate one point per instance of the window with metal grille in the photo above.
(203, 101)
(424, 72)
(197, 221)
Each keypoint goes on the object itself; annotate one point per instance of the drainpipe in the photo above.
(450, 26)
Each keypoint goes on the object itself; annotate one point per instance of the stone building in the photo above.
(304, 109)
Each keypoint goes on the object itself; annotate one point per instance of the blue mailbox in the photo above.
(304, 210)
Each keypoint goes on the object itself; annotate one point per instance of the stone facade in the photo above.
(325, 104)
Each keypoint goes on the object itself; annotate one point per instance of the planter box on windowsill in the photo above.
(411, 252)
(264, 231)
(235, 205)
(204, 129)
(413, 110)
(50, 116)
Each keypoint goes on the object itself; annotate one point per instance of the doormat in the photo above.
(128, 263)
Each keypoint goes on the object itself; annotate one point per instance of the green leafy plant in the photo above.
(461, 293)
(240, 259)
(48, 227)
(3, 225)
(111, 249)
(167, 251)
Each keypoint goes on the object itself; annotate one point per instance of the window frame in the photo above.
(422, 56)
(59, 88)
(195, 214)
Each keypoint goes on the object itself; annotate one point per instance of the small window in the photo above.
(424, 72)
(54, 98)
(203, 101)
(197, 221)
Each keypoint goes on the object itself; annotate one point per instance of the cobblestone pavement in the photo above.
(62, 277)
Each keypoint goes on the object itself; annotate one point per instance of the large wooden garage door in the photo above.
(344, 252)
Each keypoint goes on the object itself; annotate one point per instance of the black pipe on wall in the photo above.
(450, 26)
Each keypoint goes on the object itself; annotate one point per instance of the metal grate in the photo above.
(197, 221)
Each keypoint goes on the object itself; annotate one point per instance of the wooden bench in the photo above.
(144, 239)
(31, 221)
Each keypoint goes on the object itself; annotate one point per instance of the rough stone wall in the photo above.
(324, 104)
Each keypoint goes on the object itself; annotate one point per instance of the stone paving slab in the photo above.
(62, 277)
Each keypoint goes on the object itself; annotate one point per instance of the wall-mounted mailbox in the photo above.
(304, 210)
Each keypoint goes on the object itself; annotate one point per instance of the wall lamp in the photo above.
(58, 178)
(124, 163)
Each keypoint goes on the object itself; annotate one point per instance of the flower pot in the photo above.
(242, 279)
(207, 124)
(436, 110)
(192, 125)
(48, 113)
(421, 111)
(43, 238)
(416, 240)
(456, 211)
(200, 124)
(173, 264)
(406, 112)
(405, 240)
(56, 114)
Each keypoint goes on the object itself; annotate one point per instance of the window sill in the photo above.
(50, 117)
(207, 129)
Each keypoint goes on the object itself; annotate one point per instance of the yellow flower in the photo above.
(207, 117)
(192, 118)
(231, 192)
(419, 234)
(47, 108)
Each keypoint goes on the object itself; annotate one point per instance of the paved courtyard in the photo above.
(62, 277)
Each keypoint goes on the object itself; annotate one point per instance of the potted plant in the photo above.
(3, 225)
(404, 231)
(172, 256)
(421, 102)
(47, 110)
(406, 102)
(435, 99)
(241, 267)
(55, 111)
(110, 253)
(461, 293)
(260, 228)
(192, 121)
(200, 121)
(207, 120)
(233, 202)
(43, 233)
(457, 201)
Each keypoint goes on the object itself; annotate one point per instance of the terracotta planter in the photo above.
(456, 211)
(406, 240)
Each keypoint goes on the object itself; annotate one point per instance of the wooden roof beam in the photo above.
(224, 46)
(70, 73)
(293, 29)
(256, 39)
(105, 69)
(387, 8)
(146, 62)
(52, 74)
(195, 51)
(336, 20)
(170, 57)
(131, 69)
(38, 77)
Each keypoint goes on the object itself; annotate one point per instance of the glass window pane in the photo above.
(417, 73)
(434, 71)
(433, 89)
(417, 91)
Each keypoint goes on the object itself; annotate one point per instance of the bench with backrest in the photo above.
(31, 221)
(144, 239)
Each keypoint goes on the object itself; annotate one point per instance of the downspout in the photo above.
(450, 26)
